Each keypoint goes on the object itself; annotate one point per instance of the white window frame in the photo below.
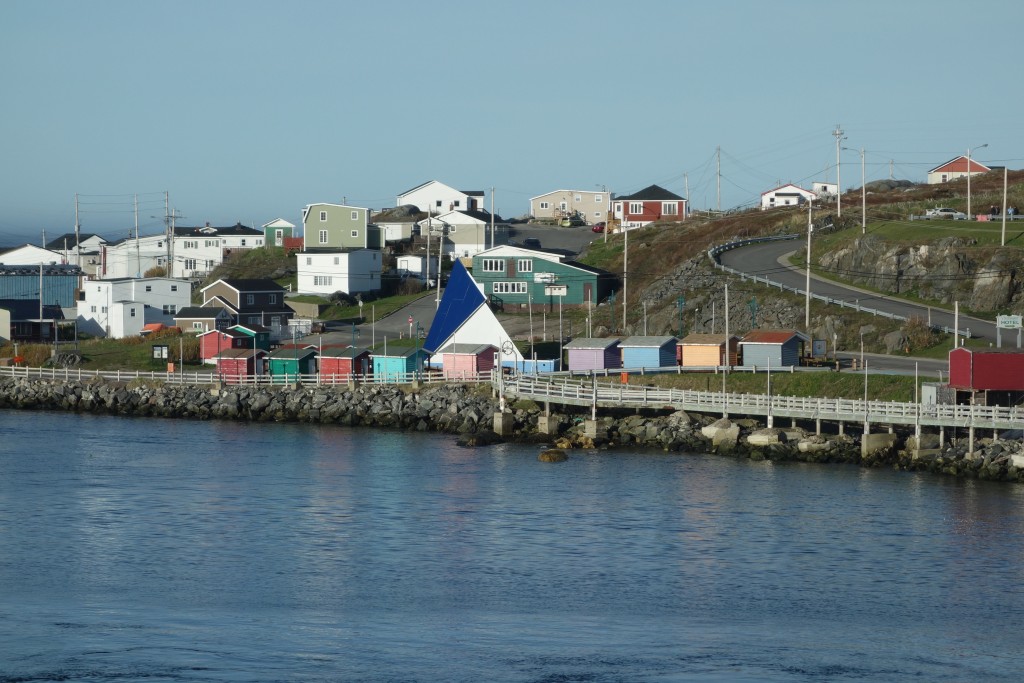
(355, 233)
(190, 264)
(513, 287)
(323, 216)
(492, 265)
(524, 265)
(598, 198)
(323, 237)
(636, 207)
(545, 205)
(578, 198)
(355, 215)
(670, 208)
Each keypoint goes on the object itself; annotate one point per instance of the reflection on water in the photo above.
(195, 551)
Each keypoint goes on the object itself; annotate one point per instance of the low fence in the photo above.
(715, 252)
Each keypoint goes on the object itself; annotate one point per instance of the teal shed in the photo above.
(399, 365)
(286, 364)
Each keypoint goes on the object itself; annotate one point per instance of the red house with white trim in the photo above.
(341, 362)
(650, 204)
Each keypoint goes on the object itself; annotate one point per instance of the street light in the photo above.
(969, 214)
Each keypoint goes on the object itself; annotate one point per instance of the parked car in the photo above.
(598, 227)
(531, 243)
(946, 213)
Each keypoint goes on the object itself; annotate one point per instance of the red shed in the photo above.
(341, 362)
(213, 342)
(236, 364)
(986, 369)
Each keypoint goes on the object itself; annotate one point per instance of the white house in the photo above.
(436, 198)
(824, 190)
(328, 271)
(955, 169)
(465, 233)
(416, 266)
(786, 195)
(193, 253)
(119, 308)
(31, 255)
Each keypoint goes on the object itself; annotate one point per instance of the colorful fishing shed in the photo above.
(288, 363)
(343, 362)
(399, 365)
(593, 353)
(239, 365)
(648, 352)
(772, 348)
(466, 361)
(987, 376)
(707, 350)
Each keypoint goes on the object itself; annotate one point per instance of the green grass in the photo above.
(130, 355)
(986, 234)
(375, 310)
(848, 384)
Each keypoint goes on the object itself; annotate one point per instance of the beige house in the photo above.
(589, 205)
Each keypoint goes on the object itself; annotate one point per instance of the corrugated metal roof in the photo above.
(592, 343)
(771, 336)
(704, 338)
(646, 341)
(474, 349)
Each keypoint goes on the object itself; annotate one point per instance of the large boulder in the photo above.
(723, 433)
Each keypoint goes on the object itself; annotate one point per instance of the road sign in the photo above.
(410, 320)
(1009, 322)
(556, 290)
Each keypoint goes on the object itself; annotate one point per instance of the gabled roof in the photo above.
(646, 342)
(470, 349)
(573, 192)
(478, 214)
(254, 329)
(799, 189)
(462, 296)
(240, 353)
(704, 339)
(208, 231)
(772, 336)
(593, 343)
(248, 285)
(68, 240)
(292, 353)
(28, 309)
(201, 312)
(959, 165)
(279, 223)
(653, 193)
(346, 352)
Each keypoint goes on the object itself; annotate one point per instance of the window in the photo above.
(598, 198)
(322, 280)
(945, 177)
(92, 309)
(309, 260)
(190, 264)
(578, 198)
(191, 244)
(493, 265)
(212, 243)
(545, 205)
(563, 206)
(243, 241)
(355, 233)
(457, 203)
(597, 214)
(669, 208)
(323, 216)
(132, 311)
(170, 309)
(250, 299)
(438, 204)
(196, 325)
(174, 288)
(337, 260)
(103, 310)
(273, 298)
(524, 265)
(509, 288)
(451, 229)
(323, 237)
(149, 288)
(636, 207)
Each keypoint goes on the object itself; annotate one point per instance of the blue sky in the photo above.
(247, 111)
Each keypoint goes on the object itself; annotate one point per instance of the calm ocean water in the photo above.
(158, 550)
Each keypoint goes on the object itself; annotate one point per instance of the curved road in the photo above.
(764, 259)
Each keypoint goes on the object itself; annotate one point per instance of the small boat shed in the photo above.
(593, 353)
(648, 352)
(236, 365)
(707, 350)
(466, 361)
(772, 348)
(339, 362)
(398, 365)
(291, 362)
(990, 377)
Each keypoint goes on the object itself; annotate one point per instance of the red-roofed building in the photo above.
(648, 205)
(775, 348)
(954, 169)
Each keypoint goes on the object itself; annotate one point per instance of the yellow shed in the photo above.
(707, 350)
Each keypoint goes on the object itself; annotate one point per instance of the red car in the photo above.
(598, 227)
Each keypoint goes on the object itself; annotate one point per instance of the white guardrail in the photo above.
(589, 391)
(715, 252)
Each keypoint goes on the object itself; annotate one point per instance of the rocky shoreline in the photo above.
(468, 410)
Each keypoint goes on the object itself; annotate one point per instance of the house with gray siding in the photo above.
(774, 348)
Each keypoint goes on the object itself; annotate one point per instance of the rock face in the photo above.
(941, 271)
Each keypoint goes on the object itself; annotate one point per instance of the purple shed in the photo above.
(589, 353)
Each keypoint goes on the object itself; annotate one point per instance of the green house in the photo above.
(518, 277)
(289, 363)
(276, 232)
(339, 226)
(262, 335)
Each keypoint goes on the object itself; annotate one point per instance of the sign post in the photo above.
(1008, 322)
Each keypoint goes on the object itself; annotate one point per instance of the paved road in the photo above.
(763, 260)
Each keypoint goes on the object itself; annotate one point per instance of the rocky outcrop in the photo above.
(943, 272)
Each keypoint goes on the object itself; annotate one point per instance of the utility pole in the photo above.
(138, 255)
(890, 169)
(78, 246)
(167, 229)
(718, 177)
(863, 196)
(625, 266)
(686, 186)
(807, 287)
(838, 133)
(492, 217)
